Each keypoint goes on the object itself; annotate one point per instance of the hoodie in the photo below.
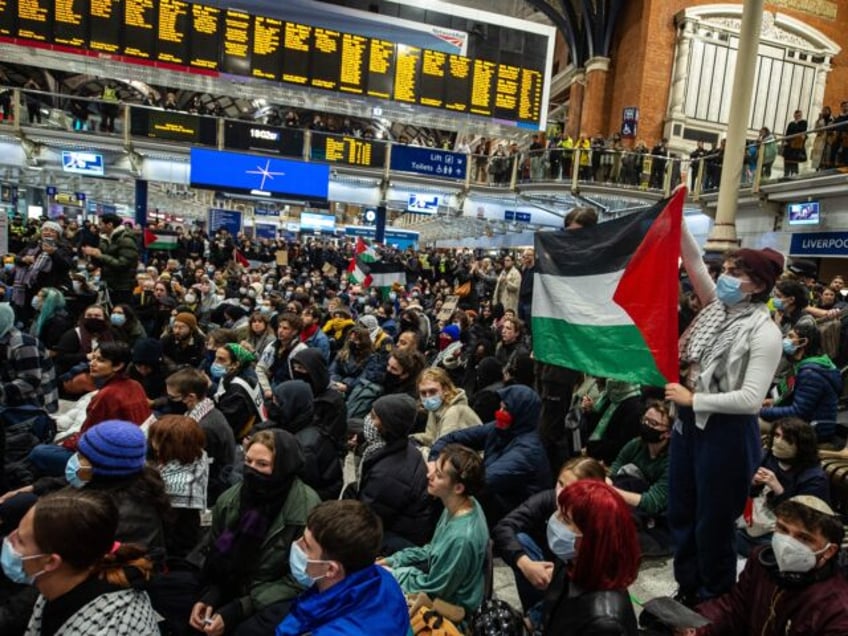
(813, 397)
(330, 409)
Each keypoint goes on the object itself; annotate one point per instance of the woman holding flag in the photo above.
(729, 355)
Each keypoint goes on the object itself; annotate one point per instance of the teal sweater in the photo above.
(655, 499)
(455, 559)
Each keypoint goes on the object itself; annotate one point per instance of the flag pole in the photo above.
(723, 235)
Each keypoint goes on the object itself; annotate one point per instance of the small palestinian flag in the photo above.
(359, 265)
(159, 240)
(239, 258)
(605, 297)
(384, 275)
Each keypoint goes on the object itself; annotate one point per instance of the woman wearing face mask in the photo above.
(66, 547)
(729, 354)
(593, 537)
(253, 526)
(76, 344)
(351, 362)
(51, 318)
(447, 407)
(790, 467)
(118, 397)
(520, 537)
(812, 387)
(238, 395)
(125, 325)
(790, 300)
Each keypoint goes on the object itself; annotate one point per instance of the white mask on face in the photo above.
(792, 555)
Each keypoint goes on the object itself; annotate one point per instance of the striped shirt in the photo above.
(27, 375)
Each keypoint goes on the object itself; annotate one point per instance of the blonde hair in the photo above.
(441, 377)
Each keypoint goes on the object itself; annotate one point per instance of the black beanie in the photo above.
(397, 414)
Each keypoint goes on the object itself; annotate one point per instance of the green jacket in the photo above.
(119, 260)
(654, 500)
(271, 581)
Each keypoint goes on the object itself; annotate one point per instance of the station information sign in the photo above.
(70, 22)
(353, 151)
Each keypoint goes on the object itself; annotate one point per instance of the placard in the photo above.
(448, 307)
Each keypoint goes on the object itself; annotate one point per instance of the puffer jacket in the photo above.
(515, 460)
(453, 416)
(119, 259)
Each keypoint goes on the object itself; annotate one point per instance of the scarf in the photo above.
(710, 337)
(25, 277)
(374, 442)
(307, 332)
(609, 402)
(201, 409)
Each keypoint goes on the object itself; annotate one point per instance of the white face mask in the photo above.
(792, 555)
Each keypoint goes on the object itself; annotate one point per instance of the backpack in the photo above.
(496, 618)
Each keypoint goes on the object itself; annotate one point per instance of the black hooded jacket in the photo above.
(330, 409)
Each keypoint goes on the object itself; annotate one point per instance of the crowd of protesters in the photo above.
(177, 425)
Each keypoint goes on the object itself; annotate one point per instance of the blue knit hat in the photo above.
(114, 448)
(452, 331)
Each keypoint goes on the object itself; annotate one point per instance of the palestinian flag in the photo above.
(239, 258)
(160, 240)
(384, 275)
(605, 297)
(359, 265)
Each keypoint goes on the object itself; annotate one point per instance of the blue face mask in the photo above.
(12, 562)
(432, 403)
(297, 566)
(36, 303)
(217, 371)
(778, 303)
(118, 319)
(72, 472)
(729, 290)
(789, 347)
(561, 539)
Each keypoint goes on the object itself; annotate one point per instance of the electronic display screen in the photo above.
(70, 22)
(530, 95)
(353, 64)
(173, 31)
(806, 213)
(266, 56)
(326, 58)
(236, 48)
(297, 45)
(173, 126)
(247, 136)
(311, 222)
(8, 18)
(257, 175)
(140, 28)
(205, 32)
(352, 151)
(431, 81)
(482, 87)
(458, 83)
(35, 20)
(381, 68)
(105, 18)
(407, 62)
(506, 91)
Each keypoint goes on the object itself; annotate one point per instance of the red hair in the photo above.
(608, 557)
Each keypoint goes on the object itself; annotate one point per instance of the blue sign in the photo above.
(51, 191)
(423, 203)
(427, 161)
(398, 238)
(88, 163)
(226, 220)
(80, 196)
(257, 175)
(265, 231)
(520, 217)
(819, 244)
(265, 212)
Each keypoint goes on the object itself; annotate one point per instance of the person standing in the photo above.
(794, 147)
(117, 257)
(525, 292)
(508, 285)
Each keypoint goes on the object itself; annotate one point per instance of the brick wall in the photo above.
(643, 56)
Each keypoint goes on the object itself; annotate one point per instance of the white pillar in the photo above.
(680, 76)
(723, 234)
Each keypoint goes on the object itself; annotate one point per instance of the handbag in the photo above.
(758, 519)
(463, 290)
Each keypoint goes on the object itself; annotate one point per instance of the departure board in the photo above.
(265, 60)
(105, 19)
(506, 91)
(431, 81)
(8, 18)
(482, 87)
(140, 28)
(236, 49)
(458, 83)
(296, 49)
(530, 95)
(248, 136)
(326, 58)
(173, 126)
(381, 68)
(205, 34)
(407, 61)
(70, 22)
(353, 151)
(35, 20)
(354, 53)
(173, 24)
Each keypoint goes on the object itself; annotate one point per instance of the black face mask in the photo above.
(94, 325)
(177, 407)
(650, 435)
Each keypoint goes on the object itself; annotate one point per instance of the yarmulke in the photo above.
(187, 319)
(815, 503)
(114, 448)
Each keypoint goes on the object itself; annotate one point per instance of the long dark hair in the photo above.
(798, 432)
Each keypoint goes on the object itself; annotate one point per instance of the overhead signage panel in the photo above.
(87, 163)
(258, 175)
(427, 161)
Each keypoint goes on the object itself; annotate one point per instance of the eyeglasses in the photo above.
(647, 421)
